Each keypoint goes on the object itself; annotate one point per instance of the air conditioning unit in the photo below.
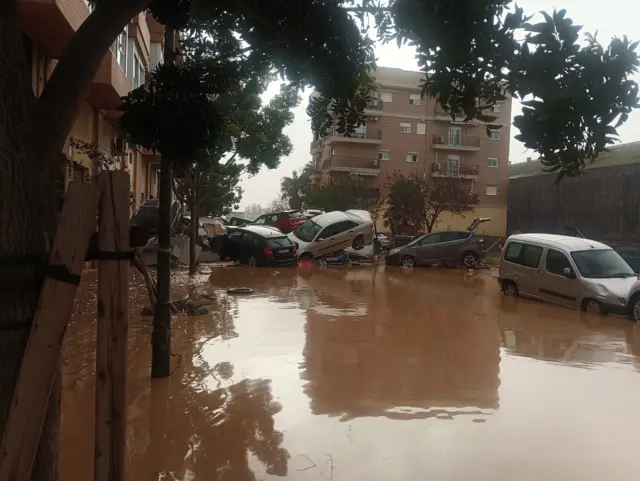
(439, 139)
(373, 162)
(436, 166)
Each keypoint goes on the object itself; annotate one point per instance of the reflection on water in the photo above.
(314, 373)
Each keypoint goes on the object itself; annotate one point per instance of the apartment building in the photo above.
(48, 26)
(407, 133)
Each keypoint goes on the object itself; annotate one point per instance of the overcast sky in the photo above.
(610, 18)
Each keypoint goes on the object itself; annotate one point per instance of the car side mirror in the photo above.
(568, 273)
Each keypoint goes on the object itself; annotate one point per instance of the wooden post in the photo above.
(42, 354)
(113, 320)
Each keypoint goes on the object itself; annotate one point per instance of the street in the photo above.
(364, 373)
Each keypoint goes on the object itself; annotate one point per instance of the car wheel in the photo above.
(407, 262)
(252, 261)
(510, 289)
(634, 308)
(592, 306)
(470, 259)
(358, 243)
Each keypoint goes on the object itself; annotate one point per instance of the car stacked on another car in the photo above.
(286, 221)
(448, 247)
(331, 232)
(259, 246)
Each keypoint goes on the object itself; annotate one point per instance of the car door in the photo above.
(522, 265)
(332, 238)
(428, 248)
(554, 285)
(448, 250)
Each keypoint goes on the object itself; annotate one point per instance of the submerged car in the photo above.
(574, 272)
(259, 246)
(286, 221)
(449, 247)
(331, 232)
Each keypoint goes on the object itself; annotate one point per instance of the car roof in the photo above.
(331, 217)
(262, 231)
(562, 242)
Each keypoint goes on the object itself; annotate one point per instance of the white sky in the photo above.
(610, 18)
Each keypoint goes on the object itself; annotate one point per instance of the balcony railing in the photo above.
(375, 104)
(456, 141)
(368, 134)
(452, 169)
(354, 162)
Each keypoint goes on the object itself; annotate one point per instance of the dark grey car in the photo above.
(449, 247)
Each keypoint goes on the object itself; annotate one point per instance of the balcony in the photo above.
(109, 85)
(52, 23)
(139, 30)
(454, 169)
(366, 166)
(375, 104)
(456, 142)
(360, 136)
(315, 146)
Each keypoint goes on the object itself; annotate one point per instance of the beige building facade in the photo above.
(406, 133)
(48, 25)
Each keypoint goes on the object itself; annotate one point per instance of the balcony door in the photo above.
(455, 136)
(453, 165)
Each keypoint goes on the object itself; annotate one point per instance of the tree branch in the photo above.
(71, 79)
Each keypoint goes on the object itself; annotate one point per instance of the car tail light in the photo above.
(295, 248)
(480, 240)
(268, 251)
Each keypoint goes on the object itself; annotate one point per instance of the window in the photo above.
(235, 235)
(386, 96)
(453, 164)
(496, 107)
(524, 254)
(278, 242)
(601, 263)
(119, 49)
(492, 190)
(422, 128)
(455, 136)
(335, 229)
(412, 157)
(383, 155)
(431, 239)
(405, 128)
(260, 220)
(307, 231)
(492, 162)
(494, 134)
(414, 99)
(557, 262)
(138, 70)
(450, 236)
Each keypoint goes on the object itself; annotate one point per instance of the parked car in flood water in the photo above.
(259, 246)
(447, 247)
(286, 221)
(331, 232)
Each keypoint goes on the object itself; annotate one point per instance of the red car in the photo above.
(286, 221)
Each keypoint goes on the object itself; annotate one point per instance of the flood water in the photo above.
(364, 374)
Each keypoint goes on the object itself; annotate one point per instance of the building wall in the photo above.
(92, 125)
(603, 203)
(428, 123)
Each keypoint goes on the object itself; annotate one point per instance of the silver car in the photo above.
(574, 272)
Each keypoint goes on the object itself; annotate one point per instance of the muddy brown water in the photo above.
(364, 374)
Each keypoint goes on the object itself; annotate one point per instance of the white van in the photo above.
(574, 272)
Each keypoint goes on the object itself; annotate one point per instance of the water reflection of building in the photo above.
(419, 347)
(549, 333)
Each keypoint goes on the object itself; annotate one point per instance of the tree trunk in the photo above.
(195, 221)
(161, 335)
(32, 134)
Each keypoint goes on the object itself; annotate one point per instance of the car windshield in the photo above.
(414, 242)
(307, 231)
(601, 264)
(278, 242)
